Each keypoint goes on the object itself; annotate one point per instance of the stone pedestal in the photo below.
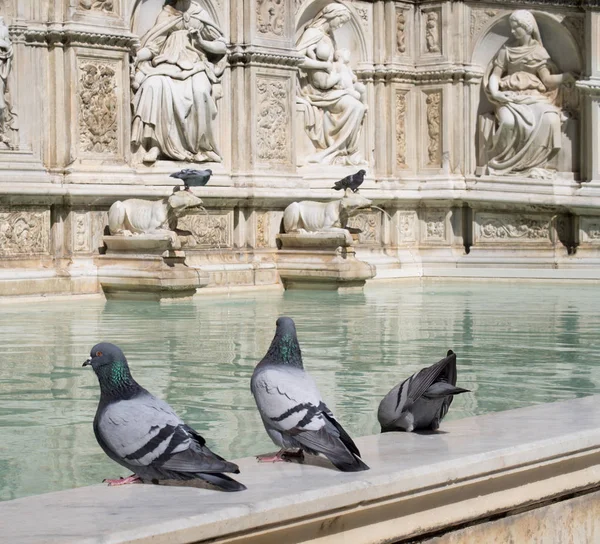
(321, 260)
(147, 267)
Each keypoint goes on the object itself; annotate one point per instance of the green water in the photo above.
(517, 344)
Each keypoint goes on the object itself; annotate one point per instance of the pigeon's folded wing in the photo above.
(288, 399)
(422, 380)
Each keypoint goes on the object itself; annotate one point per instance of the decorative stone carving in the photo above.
(432, 31)
(24, 232)
(99, 5)
(176, 81)
(479, 19)
(98, 104)
(363, 14)
(504, 227)
(525, 133)
(401, 129)
(209, 231)
(407, 225)
(369, 223)
(308, 216)
(81, 232)
(270, 16)
(400, 32)
(297, 5)
(332, 99)
(8, 117)
(433, 103)
(435, 225)
(263, 226)
(273, 119)
(590, 229)
(137, 216)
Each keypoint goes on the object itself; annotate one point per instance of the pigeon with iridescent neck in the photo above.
(143, 433)
(291, 407)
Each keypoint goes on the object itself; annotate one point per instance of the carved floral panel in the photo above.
(435, 225)
(480, 18)
(590, 229)
(80, 228)
(407, 226)
(98, 5)
(270, 16)
(433, 108)
(98, 103)
(508, 228)
(400, 31)
(214, 230)
(273, 120)
(25, 232)
(370, 225)
(263, 229)
(401, 129)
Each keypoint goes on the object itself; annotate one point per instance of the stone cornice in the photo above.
(450, 74)
(533, 3)
(248, 55)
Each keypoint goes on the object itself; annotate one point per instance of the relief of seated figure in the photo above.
(525, 133)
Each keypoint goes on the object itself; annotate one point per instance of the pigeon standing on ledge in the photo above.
(354, 181)
(144, 434)
(193, 178)
(421, 401)
(291, 407)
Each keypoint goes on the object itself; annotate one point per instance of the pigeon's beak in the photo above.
(88, 362)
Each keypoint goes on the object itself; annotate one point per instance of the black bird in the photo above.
(354, 181)
(144, 434)
(193, 178)
(421, 401)
(291, 407)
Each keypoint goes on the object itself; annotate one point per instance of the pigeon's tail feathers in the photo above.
(222, 481)
(440, 390)
(338, 185)
(344, 436)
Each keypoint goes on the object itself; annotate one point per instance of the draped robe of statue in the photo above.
(333, 117)
(176, 90)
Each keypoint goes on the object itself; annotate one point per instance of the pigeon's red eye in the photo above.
(98, 354)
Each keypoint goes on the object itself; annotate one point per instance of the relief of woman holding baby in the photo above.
(334, 101)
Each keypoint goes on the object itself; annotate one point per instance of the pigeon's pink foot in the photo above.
(123, 481)
(280, 456)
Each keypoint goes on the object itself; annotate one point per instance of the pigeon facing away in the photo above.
(193, 178)
(291, 407)
(144, 434)
(421, 401)
(354, 181)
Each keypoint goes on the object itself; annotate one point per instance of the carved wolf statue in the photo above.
(309, 216)
(137, 216)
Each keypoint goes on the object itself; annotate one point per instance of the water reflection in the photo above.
(517, 345)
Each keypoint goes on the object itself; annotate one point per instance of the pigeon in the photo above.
(421, 401)
(193, 178)
(291, 407)
(143, 433)
(354, 181)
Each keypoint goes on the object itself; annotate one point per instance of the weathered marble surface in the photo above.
(499, 455)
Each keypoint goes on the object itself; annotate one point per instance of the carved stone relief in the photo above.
(508, 228)
(80, 227)
(214, 230)
(363, 14)
(370, 225)
(263, 229)
(297, 5)
(480, 17)
(270, 16)
(590, 229)
(98, 104)
(433, 102)
(400, 32)
(435, 225)
(407, 225)
(24, 232)
(273, 117)
(98, 5)
(433, 34)
(8, 116)
(401, 129)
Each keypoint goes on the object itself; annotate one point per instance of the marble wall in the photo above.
(477, 123)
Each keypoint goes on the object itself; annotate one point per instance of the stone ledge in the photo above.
(418, 484)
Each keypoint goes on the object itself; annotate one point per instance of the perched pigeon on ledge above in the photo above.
(143, 434)
(193, 178)
(421, 401)
(353, 182)
(291, 407)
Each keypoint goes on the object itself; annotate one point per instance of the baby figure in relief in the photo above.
(347, 78)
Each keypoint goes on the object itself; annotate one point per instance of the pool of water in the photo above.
(517, 344)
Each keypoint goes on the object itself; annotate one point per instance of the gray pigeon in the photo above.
(421, 401)
(144, 434)
(291, 407)
(193, 178)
